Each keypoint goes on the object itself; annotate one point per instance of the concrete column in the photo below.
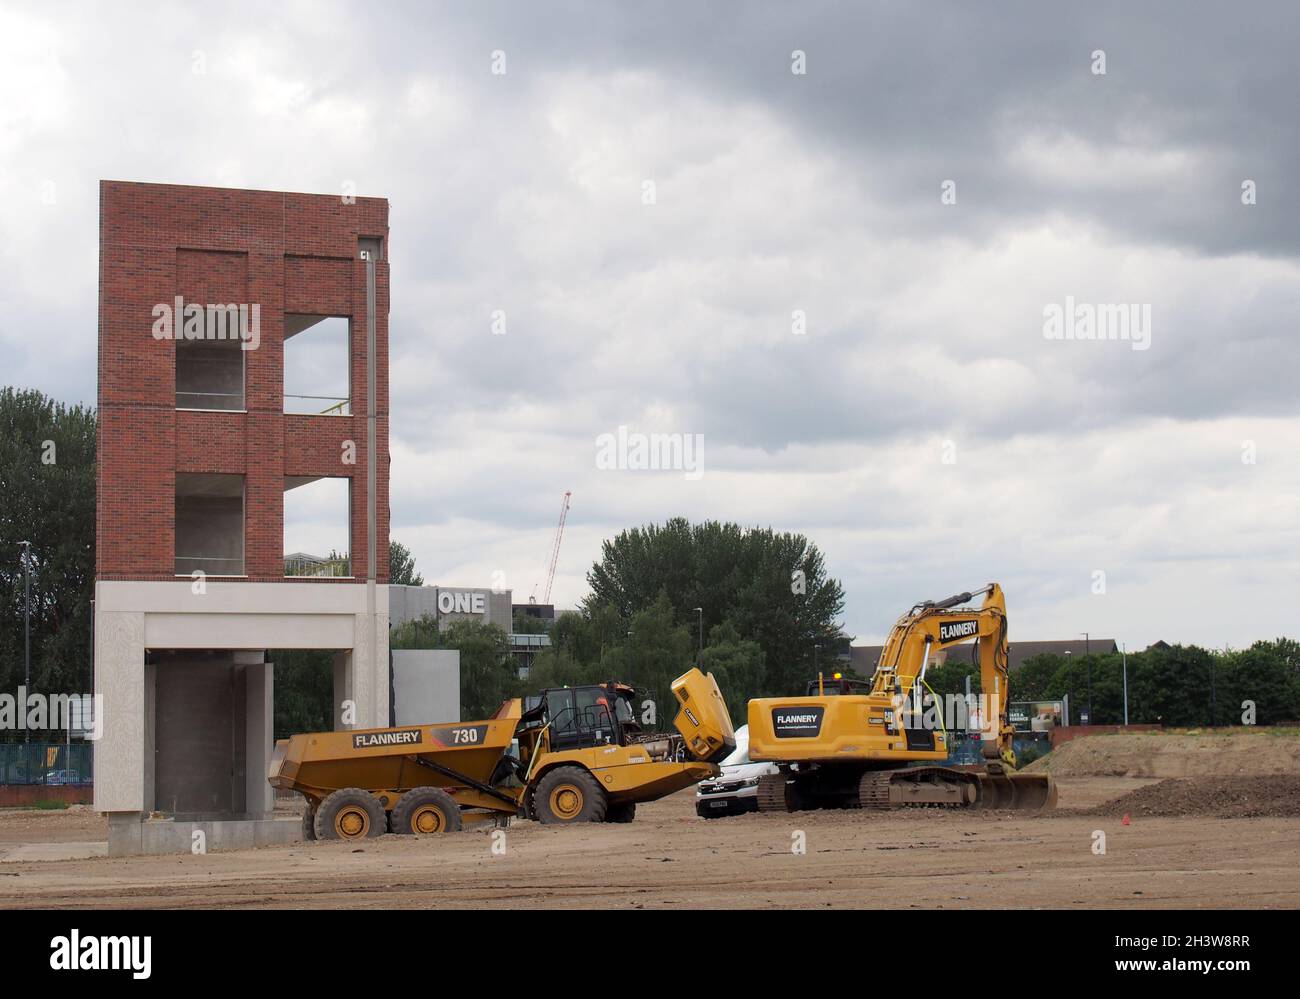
(342, 686)
(150, 735)
(361, 673)
(120, 757)
(259, 681)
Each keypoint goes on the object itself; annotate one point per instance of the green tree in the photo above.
(657, 652)
(418, 633)
(1032, 680)
(47, 479)
(739, 667)
(1170, 686)
(401, 565)
(771, 587)
(304, 691)
(554, 667)
(488, 674)
(949, 676)
(1266, 676)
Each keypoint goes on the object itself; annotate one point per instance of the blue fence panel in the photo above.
(51, 763)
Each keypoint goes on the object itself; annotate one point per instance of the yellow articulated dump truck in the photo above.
(582, 757)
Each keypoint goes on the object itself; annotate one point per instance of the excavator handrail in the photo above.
(942, 727)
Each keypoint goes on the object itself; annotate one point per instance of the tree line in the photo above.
(1178, 686)
(751, 605)
(47, 482)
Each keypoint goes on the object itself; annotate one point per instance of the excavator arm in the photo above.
(941, 625)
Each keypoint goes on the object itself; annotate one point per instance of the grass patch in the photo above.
(48, 805)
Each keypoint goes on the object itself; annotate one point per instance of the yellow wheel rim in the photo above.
(566, 801)
(428, 819)
(352, 823)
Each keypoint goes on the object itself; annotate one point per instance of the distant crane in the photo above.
(555, 551)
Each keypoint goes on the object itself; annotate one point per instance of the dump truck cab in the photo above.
(585, 756)
(579, 717)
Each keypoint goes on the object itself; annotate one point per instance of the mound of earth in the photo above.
(1220, 797)
(1161, 754)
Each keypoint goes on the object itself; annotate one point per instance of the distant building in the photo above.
(448, 604)
(303, 564)
(544, 612)
(457, 603)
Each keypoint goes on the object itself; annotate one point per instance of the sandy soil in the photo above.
(670, 858)
(1218, 752)
(78, 824)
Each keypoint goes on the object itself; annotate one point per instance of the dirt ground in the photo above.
(670, 858)
(1221, 797)
(1217, 753)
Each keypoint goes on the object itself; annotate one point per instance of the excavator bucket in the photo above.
(1012, 790)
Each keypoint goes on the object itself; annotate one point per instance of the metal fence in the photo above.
(50, 763)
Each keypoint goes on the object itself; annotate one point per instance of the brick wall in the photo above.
(292, 253)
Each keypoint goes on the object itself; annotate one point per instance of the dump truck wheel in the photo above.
(424, 811)
(621, 811)
(309, 822)
(350, 814)
(569, 794)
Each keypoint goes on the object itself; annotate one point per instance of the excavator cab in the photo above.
(837, 684)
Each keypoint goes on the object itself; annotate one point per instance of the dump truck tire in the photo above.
(621, 811)
(569, 794)
(424, 811)
(350, 814)
(309, 823)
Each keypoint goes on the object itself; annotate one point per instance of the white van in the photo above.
(735, 790)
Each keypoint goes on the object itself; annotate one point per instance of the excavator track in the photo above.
(943, 787)
(775, 794)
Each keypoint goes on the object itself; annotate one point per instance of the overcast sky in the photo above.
(649, 196)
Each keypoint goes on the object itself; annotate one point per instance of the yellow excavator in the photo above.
(883, 745)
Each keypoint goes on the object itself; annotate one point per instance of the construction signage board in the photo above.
(1036, 716)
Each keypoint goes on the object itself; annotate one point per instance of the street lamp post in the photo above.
(1124, 652)
(815, 648)
(1087, 654)
(26, 546)
(1212, 692)
(700, 611)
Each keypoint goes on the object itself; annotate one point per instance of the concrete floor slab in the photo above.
(52, 851)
